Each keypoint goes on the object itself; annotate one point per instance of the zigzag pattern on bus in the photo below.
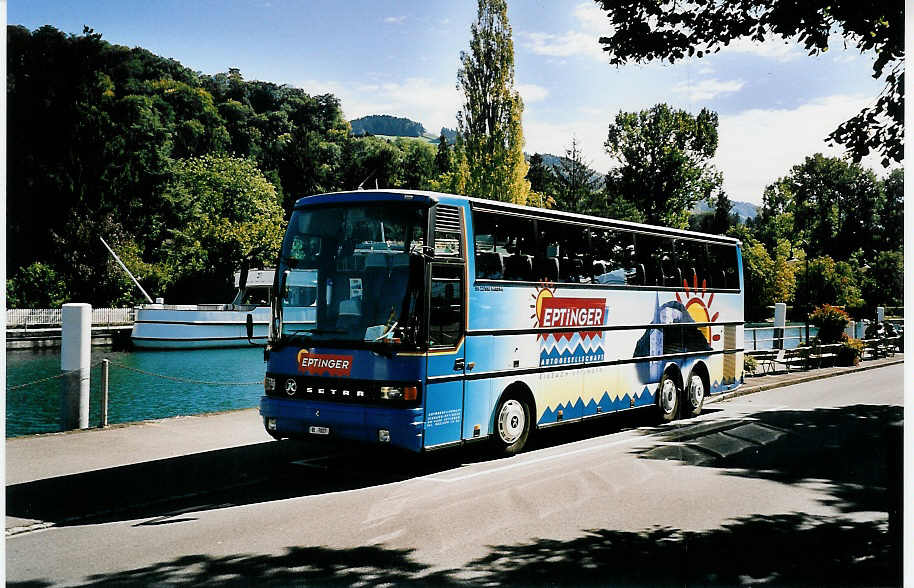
(590, 341)
(578, 409)
(576, 349)
(569, 335)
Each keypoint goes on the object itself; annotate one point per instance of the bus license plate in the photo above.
(319, 430)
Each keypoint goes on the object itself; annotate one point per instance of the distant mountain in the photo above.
(449, 134)
(384, 124)
(555, 163)
(743, 209)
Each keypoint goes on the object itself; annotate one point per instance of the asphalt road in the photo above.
(788, 486)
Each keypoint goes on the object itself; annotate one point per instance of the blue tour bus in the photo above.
(426, 320)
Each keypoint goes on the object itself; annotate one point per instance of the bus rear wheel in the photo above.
(695, 396)
(512, 426)
(668, 398)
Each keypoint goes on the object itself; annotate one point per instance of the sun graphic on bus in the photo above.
(697, 307)
(543, 292)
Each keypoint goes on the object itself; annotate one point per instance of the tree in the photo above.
(883, 280)
(541, 177)
(665, 157)
(36, 286)
(418, 163)
(891, 217)
(489, 121)
(827, 207)
(575, 183)
(648, 30)
(227, 211)
(830, 282)
(442, 155)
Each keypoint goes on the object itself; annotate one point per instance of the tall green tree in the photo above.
(540, 175)
(827, 207)
(667, 30)
(891, 217)
(883, 280)
(489, 121)
(665, 156)
(442, 156)
(576, 184)
(418, 163)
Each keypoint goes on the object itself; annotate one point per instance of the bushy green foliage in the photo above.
(230, 212)
(830, 281)
(883, 280)
(831, 322)
(850, 352)
(36, 286)
(101, 130)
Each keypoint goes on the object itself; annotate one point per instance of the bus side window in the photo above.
(648, 254)
(520, 244)
(723, 266)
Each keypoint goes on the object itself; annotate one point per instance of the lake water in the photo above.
(135, 396)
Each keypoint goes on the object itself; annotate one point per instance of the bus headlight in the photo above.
(399, 393)
(391, 392)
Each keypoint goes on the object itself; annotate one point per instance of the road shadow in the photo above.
(782, 550)
(851, 449)
(262, 472)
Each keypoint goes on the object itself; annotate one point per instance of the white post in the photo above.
(75, 357)
(780, 320)
(880, 314)
(851, 329)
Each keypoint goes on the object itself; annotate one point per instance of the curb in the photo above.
(801, 380)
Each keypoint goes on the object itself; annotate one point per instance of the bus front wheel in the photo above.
(668, 398)
(512, 425)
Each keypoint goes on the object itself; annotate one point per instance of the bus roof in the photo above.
(429, 198)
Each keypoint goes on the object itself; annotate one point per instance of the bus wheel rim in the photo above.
(511, 421)
(696, 391)
(668, 396)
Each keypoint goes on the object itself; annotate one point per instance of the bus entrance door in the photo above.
(446, 360)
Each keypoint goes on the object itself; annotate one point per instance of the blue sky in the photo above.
(776, 105)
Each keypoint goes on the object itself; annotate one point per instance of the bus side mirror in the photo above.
(249, 326)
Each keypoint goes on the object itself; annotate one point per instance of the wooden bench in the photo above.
(788, 358)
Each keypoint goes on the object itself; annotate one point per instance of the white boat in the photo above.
(194, 326)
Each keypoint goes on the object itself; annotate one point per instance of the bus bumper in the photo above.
(295, 418)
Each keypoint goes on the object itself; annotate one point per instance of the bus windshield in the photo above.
(352, 274)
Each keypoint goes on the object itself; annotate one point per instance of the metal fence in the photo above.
(24, 318)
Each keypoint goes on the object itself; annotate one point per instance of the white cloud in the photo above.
(419, 99)
(547, 137)
(565, 45)
(774, 48)
(584, 40)
(532, 93)
(709, 89)
(591, 18)
(395, 19)
(760, 145)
